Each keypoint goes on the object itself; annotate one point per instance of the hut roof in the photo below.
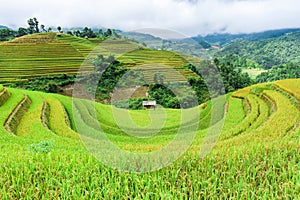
(149, 103)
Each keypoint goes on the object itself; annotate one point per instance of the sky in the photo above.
(188, 17)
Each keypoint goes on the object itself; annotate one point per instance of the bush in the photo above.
(42, 147)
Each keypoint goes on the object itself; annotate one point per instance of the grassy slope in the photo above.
(38, 55)
(260, 161)
(47, 54)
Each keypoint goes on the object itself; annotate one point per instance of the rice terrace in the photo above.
(72, 100)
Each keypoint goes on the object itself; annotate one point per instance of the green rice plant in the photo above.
(264, 113)
(31, 124)
(7, 108)
(12, 122)
(58, 121)
(235, 113)
(281, 121)
(45, 114)
(242, 93)
(4, 95)
(247, 122)
(84, 114)
(275, 128)
(42, 147)
(263, 164)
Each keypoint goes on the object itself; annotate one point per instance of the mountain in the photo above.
(185, 46)
(47, 54)
(1, 26)
(225, 38)
(268, 48)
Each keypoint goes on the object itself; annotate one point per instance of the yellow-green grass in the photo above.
(256, 164)
(84, 46)
(248, 120)
(235, 113)
(40, 55)
(4, 95)
(292, 86)
(47, 54)
(6, 108)
(242, 93)
(281, 121)
(152, 61)
(31, 123)
(58, 119)
(274, 129)
(158, 61)
(12, 122)
(264, 113)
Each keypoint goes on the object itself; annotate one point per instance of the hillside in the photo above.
(222, 39)
(268, 52)
(40, 55)
(184, 46)
(257, 151)
(47, 54)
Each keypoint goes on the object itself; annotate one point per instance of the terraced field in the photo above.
(256, 156)
(40, 55)
(46, 54)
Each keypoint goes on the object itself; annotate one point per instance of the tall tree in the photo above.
(36, 24)
(22, 31)
(33, 25)
(59, 29)
(43, 27)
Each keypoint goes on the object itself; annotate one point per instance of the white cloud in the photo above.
(190, 17)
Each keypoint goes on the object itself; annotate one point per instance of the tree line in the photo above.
(34, 26)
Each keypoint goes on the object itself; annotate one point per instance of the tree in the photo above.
(77, 33)
(6, 34)
(107, 33)
(115, 34)
(158, 78)
(70, 33)
(100, 33)
(36, 24)
(31, 26)
(59, 29)
(43, 27)
(22, 31)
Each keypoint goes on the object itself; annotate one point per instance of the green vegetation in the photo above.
(221, 74)
(49, 84)
(7, 34)
(285, 71)
(268, 52)
(256, 156)
(291, 86)
(38, 55)
(47, 54)
(43, 156)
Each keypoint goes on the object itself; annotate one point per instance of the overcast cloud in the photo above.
(190, 17)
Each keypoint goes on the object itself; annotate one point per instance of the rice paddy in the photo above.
(256, 156)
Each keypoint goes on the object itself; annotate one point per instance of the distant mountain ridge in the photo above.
(225, 38)
(267, 52)
(1, 26)
(241, 44)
